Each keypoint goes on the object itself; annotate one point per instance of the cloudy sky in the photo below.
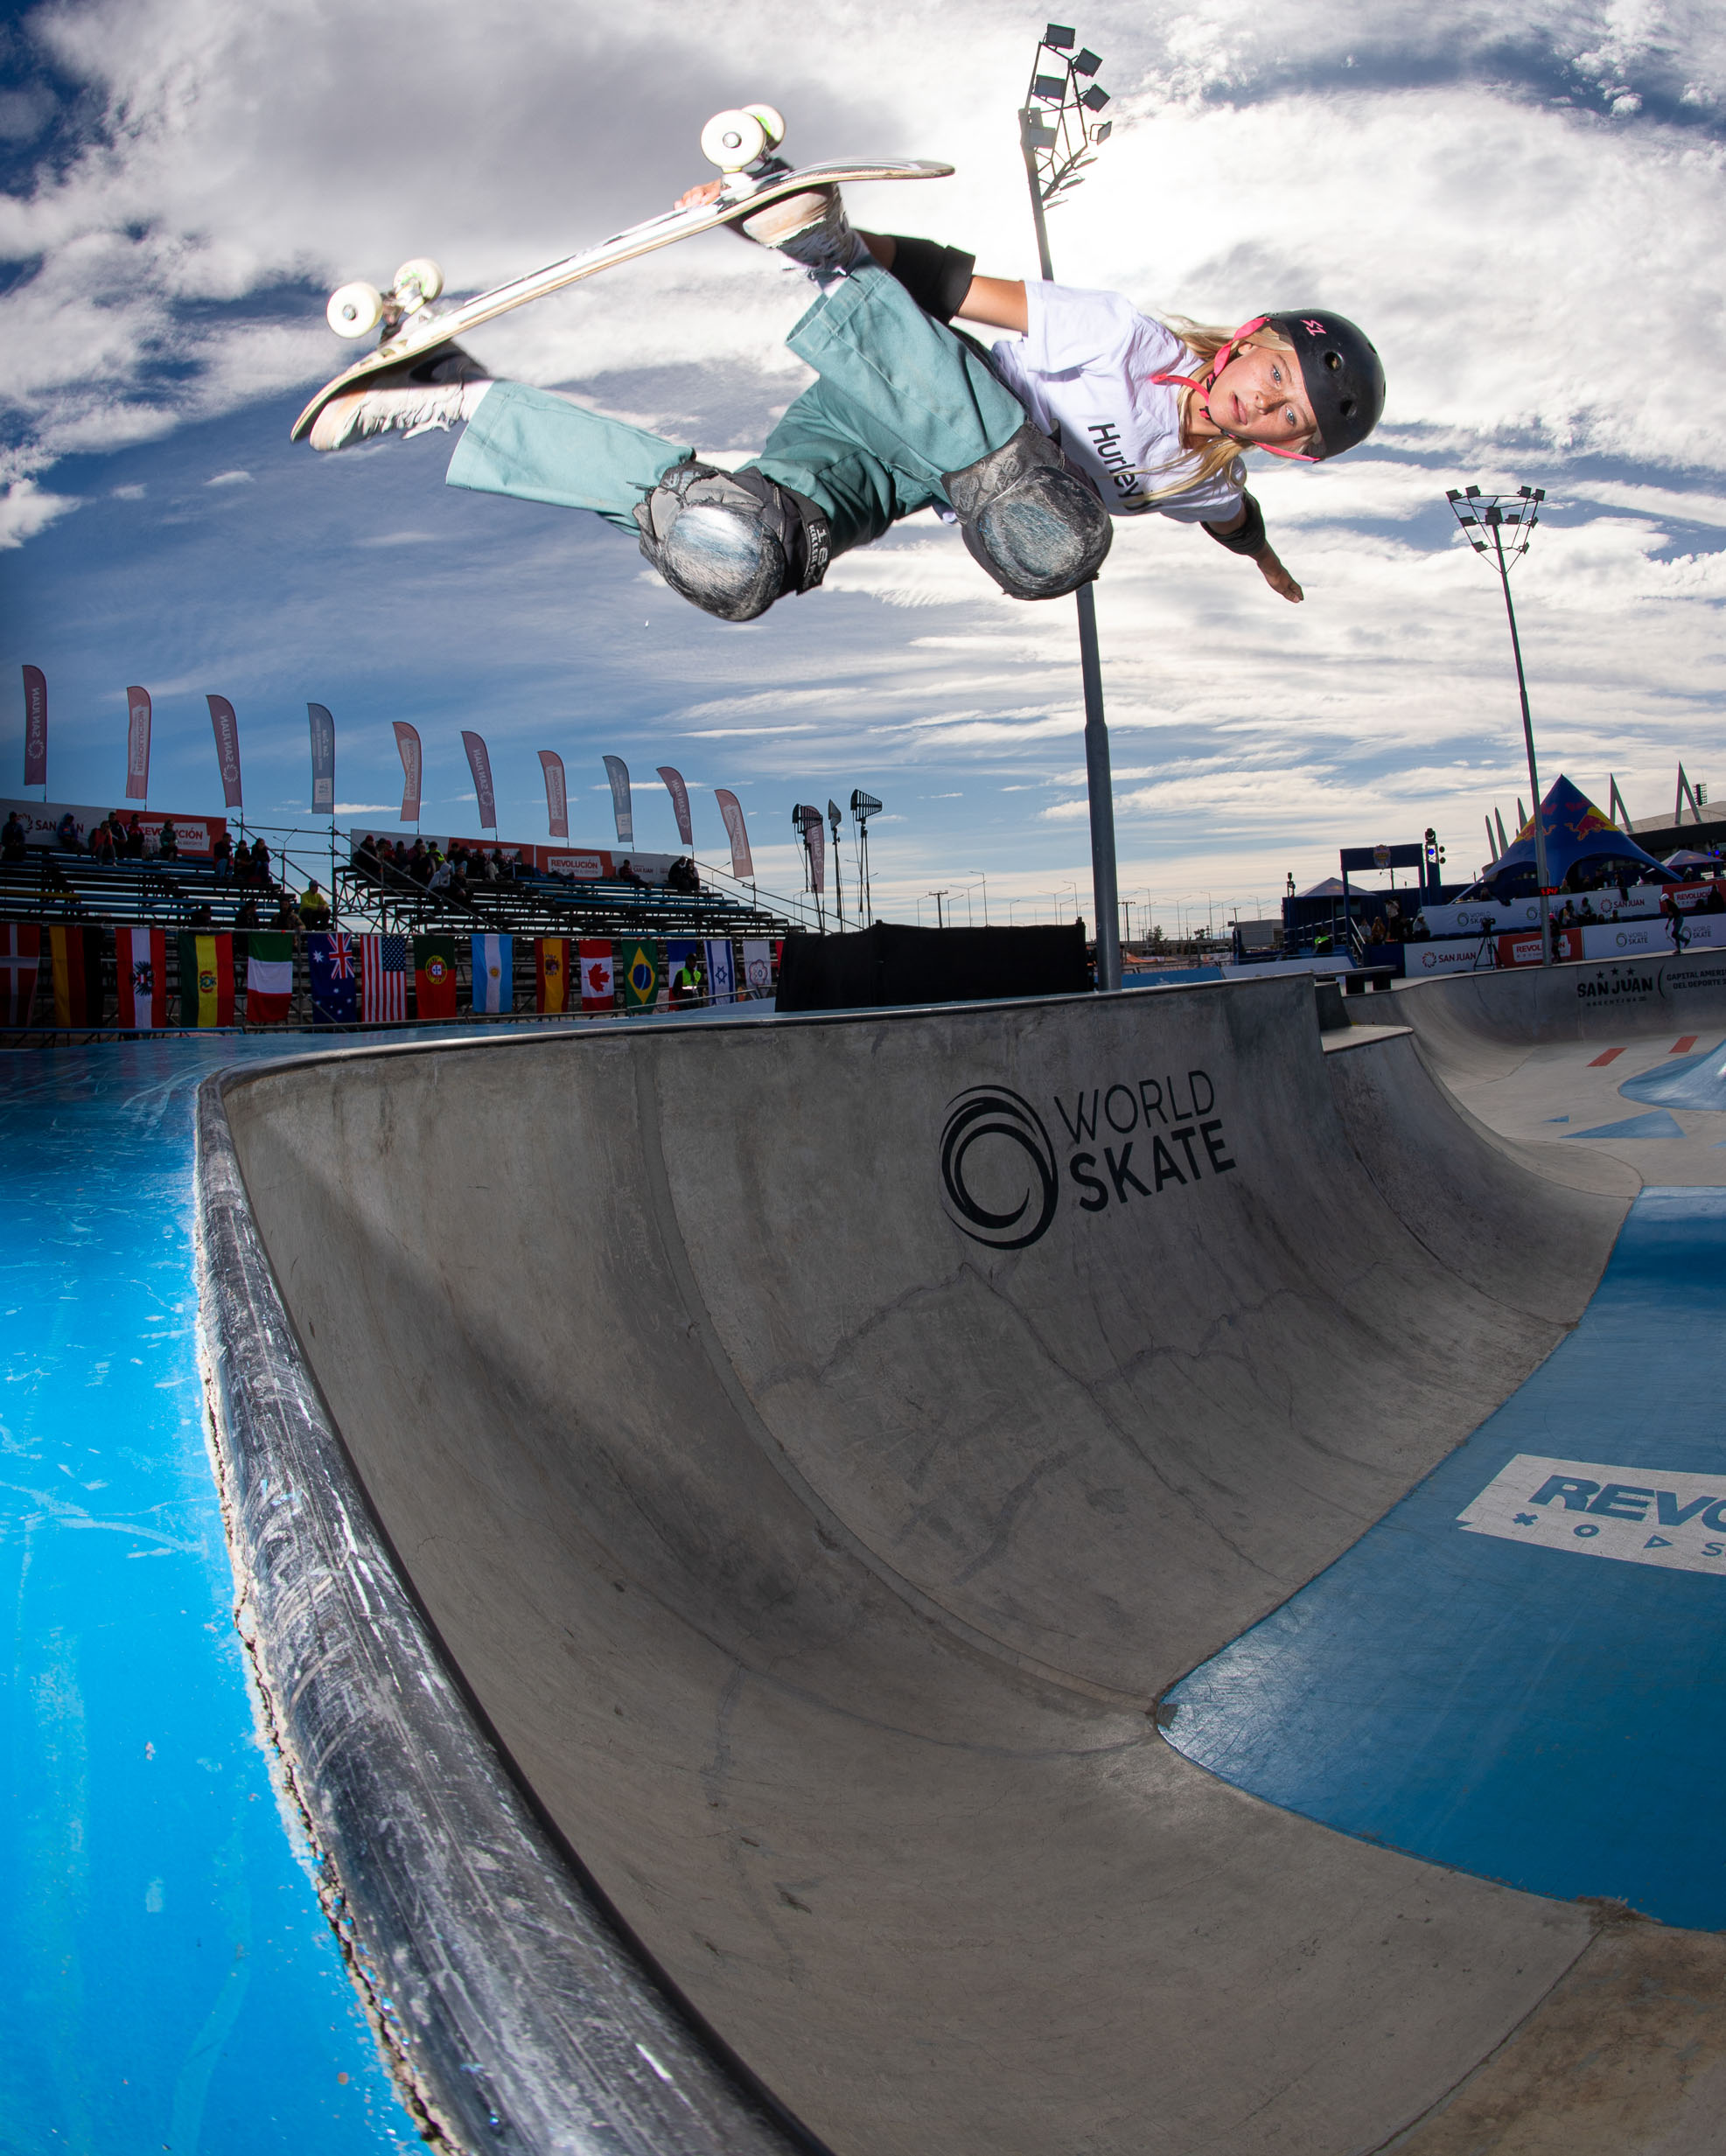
(1523, 202)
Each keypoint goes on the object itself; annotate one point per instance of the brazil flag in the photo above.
(638, 963)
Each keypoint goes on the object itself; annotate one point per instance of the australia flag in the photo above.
(335, 978)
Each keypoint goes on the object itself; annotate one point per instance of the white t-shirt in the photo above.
(1082, 370)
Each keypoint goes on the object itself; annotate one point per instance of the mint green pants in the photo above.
(900, 400)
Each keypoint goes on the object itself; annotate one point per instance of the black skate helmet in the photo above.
(1340, 371)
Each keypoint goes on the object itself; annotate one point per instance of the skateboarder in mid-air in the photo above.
(1090, 410)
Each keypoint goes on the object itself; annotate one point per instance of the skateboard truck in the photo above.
(355, 310)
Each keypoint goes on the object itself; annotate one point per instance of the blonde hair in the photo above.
(1205, 340)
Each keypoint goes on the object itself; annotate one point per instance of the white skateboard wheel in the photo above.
(731, 140)
(354, 309)
(773, 122)
(419, 278)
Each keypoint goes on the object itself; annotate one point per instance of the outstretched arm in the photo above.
(1239, 534)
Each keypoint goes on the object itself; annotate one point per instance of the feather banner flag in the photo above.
(743, 866)
(556, 794)
(35, 728)
(137, 744)
(623, 814)
(814, 841)
(408, 748)
(479, 763)
(227, 730)
(680, 802)
(323, 760)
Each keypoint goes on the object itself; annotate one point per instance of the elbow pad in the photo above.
(937, 277)
(1250, 538)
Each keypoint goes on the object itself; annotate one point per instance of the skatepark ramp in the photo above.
(718, 1511)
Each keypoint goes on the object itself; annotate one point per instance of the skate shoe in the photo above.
(812, 228)
(439, 389)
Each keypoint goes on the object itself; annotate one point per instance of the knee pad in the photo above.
(1036, 525)
(732, 541)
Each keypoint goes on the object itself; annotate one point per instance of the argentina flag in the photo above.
(494, 973)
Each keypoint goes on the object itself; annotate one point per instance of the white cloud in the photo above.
(25, 509)
(230, 478)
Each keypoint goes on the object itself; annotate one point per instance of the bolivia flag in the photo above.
(269, 978)
(494, 972)
(598, 975)
(206, 980)
(640, 972)
(141, 965)
(78, 997)
(434, 976)
(551, 972)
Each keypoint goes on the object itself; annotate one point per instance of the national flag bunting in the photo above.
(640, 972)
(758, 966)
(434, 976)
(686, 977)
(77, 962)
(494, 972)
(207, 979)
(141, 966)
(551, 973)
(269, 978)
(383, 979)
(335, 979)
(20, 958)
(599, 975)
(722, 980)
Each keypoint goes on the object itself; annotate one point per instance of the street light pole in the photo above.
(1478, 512)
(1057, 134)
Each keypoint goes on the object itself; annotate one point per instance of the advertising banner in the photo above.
(623, 814)
(1524, 949)
(731, 809)
(480, 765)
(599, 976)
(226, 729)
(137, 744)
(1470, 920)
(408, 748)
(207, 979)
(551, 974)
(42, 821)
(1451, 954)
(323, 760)
(680, 802)
(35, 728)
(556, 795)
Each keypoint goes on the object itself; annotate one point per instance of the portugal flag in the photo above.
(269, 978)
(20, 957)
(77, 956)
(640, 956)
(435, 976)
(141, 966)
(551, 973)
(206, 980)
(598, 975)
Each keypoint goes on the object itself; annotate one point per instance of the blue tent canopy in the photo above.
(1583, 844)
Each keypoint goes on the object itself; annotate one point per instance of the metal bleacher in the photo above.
(532, 903)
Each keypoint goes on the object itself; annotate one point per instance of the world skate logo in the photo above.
(998, 1169)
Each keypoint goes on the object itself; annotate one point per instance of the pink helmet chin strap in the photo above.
(1200, 385)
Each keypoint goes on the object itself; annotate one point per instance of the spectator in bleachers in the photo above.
(286, 914)
(168, 840)
(246, 913)
(221, 858)
(12, 847)
(103, 843)
(420, 863)
(243, 862)
(314, 908)
(1716, 900)
(134, 839)
(260, 864)
(366, 859)
(67, 833)
(150, 841)
(681, 876)
(437, 877)
(626, 875)
(200, 916)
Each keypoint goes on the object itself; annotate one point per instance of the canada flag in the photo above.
(598, 975)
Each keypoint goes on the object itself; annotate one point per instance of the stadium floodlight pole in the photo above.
(1500, 526)
(1059, 132)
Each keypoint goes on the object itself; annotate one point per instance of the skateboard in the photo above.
(734, 141)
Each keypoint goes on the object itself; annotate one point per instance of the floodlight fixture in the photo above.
(1085, 63)
(1101, 134)
(1052, 87)
(1508, 524)
(1059, 39)
(1095, 98)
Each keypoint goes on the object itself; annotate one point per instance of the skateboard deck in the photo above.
(419, 327)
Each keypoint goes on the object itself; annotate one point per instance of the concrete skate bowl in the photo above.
(718, 1512)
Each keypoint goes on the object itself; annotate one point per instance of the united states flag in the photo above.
(383, 977)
